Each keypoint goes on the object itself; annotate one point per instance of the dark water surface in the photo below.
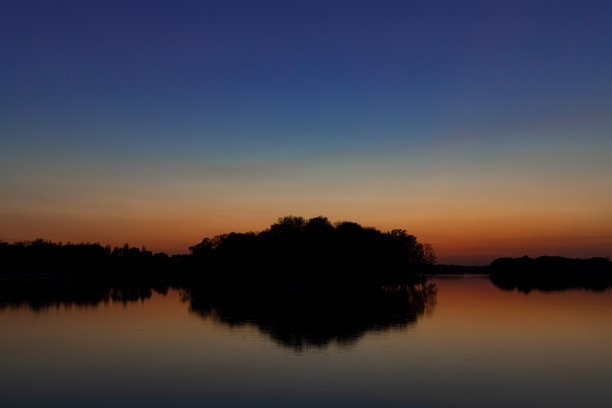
(460, 343)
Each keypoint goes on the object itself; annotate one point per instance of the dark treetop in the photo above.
(313, 251)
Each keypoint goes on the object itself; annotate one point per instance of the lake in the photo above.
(454, 342)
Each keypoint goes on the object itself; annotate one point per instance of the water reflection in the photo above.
(551, 280)
(307, 319)
(40, 295)
(526, 284)
(297, 319)
(482, 347)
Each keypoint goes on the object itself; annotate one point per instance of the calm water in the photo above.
(463, 342)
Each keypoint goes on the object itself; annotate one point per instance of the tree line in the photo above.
(551, 273)
(293, 248)
(314, 250)
(45, 256)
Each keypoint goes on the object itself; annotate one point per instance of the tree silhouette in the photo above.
(313, 251)
(550, 273)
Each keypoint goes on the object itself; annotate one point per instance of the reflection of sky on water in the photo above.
(479, 347)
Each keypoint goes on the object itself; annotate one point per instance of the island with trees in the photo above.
(551, 273)
(293, 248)
(303, 282)
(293, 254)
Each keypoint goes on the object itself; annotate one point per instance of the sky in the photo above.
(481, 127)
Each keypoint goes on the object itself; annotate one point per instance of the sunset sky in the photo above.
(483, 128)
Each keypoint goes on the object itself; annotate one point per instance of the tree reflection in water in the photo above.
(41, 295)
(293, 316)
(301, 319)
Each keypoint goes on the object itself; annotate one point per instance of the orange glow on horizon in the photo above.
(477, 240)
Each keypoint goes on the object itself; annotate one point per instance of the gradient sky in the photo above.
(484, 128)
